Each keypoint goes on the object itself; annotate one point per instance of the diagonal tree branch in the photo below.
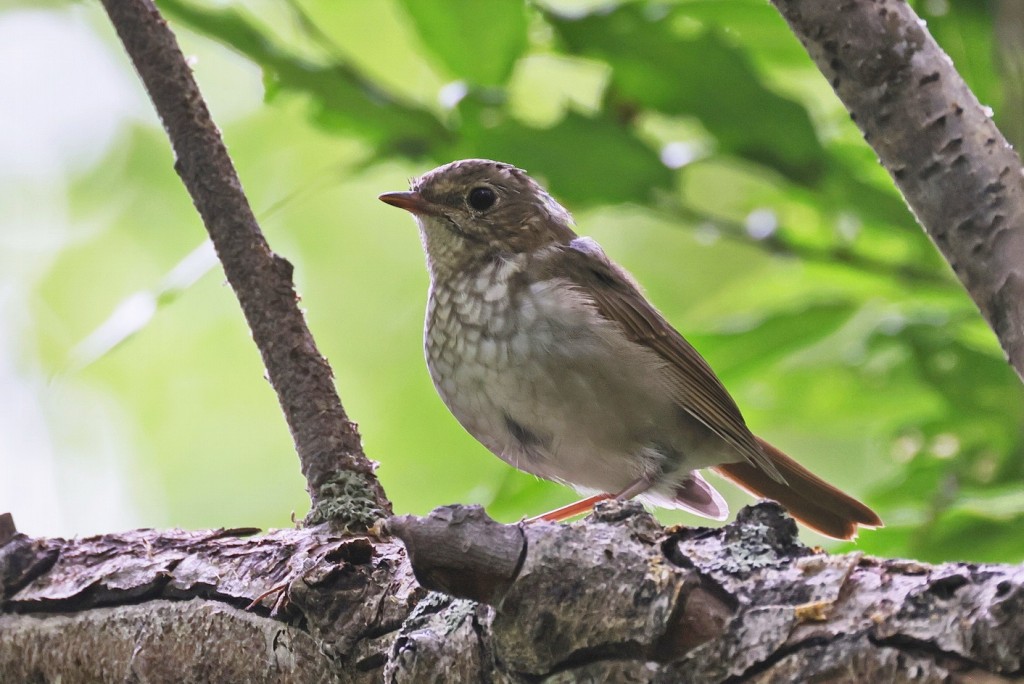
(339, 477)
(961, 178)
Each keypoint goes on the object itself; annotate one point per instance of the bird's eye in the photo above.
(481, 198)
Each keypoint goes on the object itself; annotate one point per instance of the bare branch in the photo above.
(955, 169)
(339, 477)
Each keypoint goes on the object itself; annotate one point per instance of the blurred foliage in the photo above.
(694, 139)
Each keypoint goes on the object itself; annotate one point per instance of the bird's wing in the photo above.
(695, 386)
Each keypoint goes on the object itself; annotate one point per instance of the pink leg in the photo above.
(635, 489)
(572, 510)
(584, 506)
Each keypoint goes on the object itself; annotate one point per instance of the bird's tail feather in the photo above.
(694, 494)
(808, 498)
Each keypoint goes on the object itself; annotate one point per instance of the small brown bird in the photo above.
(550, 355)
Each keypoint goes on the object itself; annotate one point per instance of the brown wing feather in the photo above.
(697, 389)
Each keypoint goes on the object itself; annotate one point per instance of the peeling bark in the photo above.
(615, 597)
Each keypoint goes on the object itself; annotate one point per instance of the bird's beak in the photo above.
(410, 201)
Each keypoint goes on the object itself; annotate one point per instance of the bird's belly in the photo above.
(560, 400)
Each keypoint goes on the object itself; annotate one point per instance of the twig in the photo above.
(339, 477)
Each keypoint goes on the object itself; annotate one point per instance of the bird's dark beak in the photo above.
(410, 201)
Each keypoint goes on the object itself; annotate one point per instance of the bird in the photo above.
(551, 356)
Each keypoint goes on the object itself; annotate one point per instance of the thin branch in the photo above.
(339, 477)
(955, 169)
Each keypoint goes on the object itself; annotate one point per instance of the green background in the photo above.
(694, 140)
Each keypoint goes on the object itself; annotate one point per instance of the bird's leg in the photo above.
(639, 486)
(571, 510)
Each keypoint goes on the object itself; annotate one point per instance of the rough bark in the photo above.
(958, 174)
(338, 474)
(613, 598)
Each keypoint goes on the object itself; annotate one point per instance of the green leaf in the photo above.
(478, 41)
(656, 65)
(583, 161)
(345, 100)
(753, 345)
(755, 25)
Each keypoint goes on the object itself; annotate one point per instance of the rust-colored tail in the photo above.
(807, 497)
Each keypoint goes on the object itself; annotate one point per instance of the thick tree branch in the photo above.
(615, 598)
(339, 477)
(168, 606)
(955, 169)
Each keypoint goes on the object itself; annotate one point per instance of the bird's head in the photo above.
(474, 210)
